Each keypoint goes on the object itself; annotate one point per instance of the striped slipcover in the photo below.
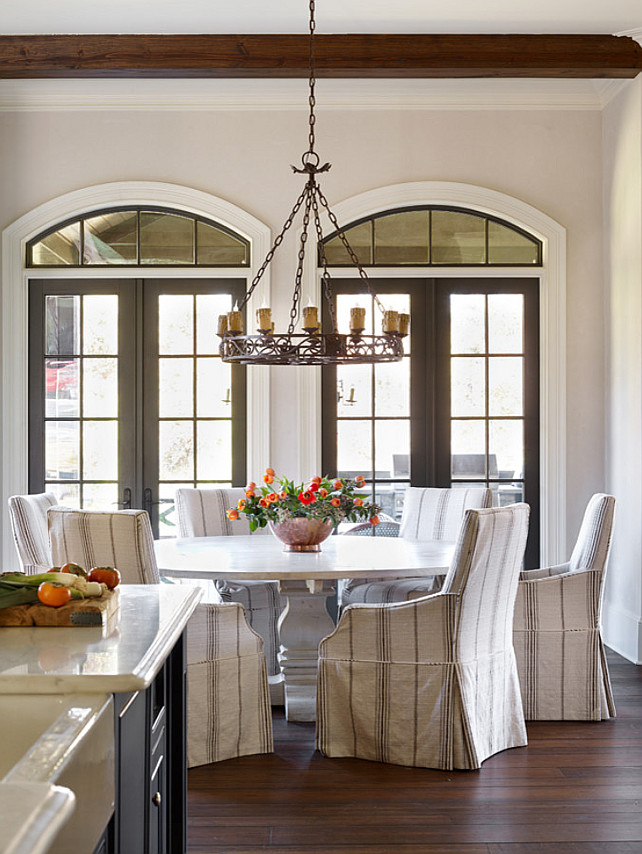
(432, 682)
(428, 514)
(228, 706)
(201, 513)
(28, 515)
(560, 655)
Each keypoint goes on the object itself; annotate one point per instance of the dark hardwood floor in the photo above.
(577, 787)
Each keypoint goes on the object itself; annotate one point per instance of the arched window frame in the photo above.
(552, 286)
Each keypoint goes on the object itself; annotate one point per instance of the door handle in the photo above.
(126, 503)
(148, 501)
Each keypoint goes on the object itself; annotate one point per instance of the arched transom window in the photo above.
(135, 236)
(433, 236)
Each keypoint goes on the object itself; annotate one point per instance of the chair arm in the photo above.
(419, 631)
(568, 602)
(546, 572)
(218, 631)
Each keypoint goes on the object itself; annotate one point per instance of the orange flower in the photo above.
(251, 485)
(268, 478)
(264, 503)
(270, 471)
(307, 497)
(358, 502)
(316, 479)
(232, 514)
(323, 492)
(271, 498)
(375, 520)
(336, 502)
(313, 487)
(360, 480)
(337, 484)
(241, 503)
(283, 495)
(249, 493)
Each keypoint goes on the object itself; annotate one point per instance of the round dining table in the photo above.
(305, 580)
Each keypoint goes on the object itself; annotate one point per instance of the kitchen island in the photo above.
(103, 717)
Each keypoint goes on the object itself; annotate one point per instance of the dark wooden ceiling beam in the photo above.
(336, 56)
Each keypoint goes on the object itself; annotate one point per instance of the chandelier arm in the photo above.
(277, 242)
(296, 296)
(349, 250)
(325, 275)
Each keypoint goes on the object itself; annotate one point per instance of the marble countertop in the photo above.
(125, 655)
(32, 814)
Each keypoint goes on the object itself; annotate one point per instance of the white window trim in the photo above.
(15, 309)
(552, 292)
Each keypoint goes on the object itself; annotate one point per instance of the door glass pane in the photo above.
(100, 450)
(208, 308)
(111, 238)
(100, 325)
(167, 522)
(392, 389)
(62, 325)
(505, 323)
(359, 238)
(467, 386)
(166, 238)
(61, 388)
(100, 388)
(213, 388)
(354, 448)
(62, 248)
(175, 324)
(214, 450)
(392, 438)
(62, 450)
(401, 238)
(506, 443)
(100, 496)
(176, 450)
(467, 323)
(217, 247)
(354, 391)
(505, 375)
(390, 497)
(458, 238)
(468, 444)
(176, 388)
(66, 493)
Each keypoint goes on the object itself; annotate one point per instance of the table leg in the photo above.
(302, 625)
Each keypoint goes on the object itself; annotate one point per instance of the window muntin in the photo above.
(434, 236)
(134, 237)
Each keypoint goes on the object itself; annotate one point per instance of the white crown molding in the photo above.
(607, 90)
(552, 276)
(632, 34)
(14, 377)
(195, 95)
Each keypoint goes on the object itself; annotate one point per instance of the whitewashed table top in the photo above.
(262, 557)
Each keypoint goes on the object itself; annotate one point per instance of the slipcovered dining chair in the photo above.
(28, 516)
(433, 682)
(428, 514)
(202, 513)
(560, 655)
(228, 707)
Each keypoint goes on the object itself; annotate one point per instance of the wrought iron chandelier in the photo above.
(312, 346)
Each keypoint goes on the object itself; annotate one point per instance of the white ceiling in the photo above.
(333, 16)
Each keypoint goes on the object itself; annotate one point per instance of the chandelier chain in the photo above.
(325, 276)
(296, 297)
(312, 99)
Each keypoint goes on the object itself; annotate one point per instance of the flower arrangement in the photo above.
(322, 499)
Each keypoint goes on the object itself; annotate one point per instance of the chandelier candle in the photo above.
(357, 319)
(390, 321)
(404, 324)
(235, 321)
(310, 318)
(221, 327)
(264, 320)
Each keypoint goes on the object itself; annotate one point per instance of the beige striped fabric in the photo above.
(432, 682)
(227, 690)
(560, 654)
(428, 514)
(202, 513)
(28, 515)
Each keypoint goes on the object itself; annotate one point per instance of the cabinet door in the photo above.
(132, 775)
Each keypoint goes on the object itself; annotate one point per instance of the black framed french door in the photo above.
(128, 399)
(461, 409)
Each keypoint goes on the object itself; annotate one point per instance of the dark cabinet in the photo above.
(151, 767)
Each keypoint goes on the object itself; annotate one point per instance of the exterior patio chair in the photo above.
(228, 707)
(428, 514)
(28, 515)
(202, 513)
(560, 654)
(433, 682)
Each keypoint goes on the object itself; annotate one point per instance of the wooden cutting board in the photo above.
(78, 612)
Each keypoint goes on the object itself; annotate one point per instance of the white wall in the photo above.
(550, 159)
(623, 232)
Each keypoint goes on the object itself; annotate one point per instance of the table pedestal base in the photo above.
(303, 623)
